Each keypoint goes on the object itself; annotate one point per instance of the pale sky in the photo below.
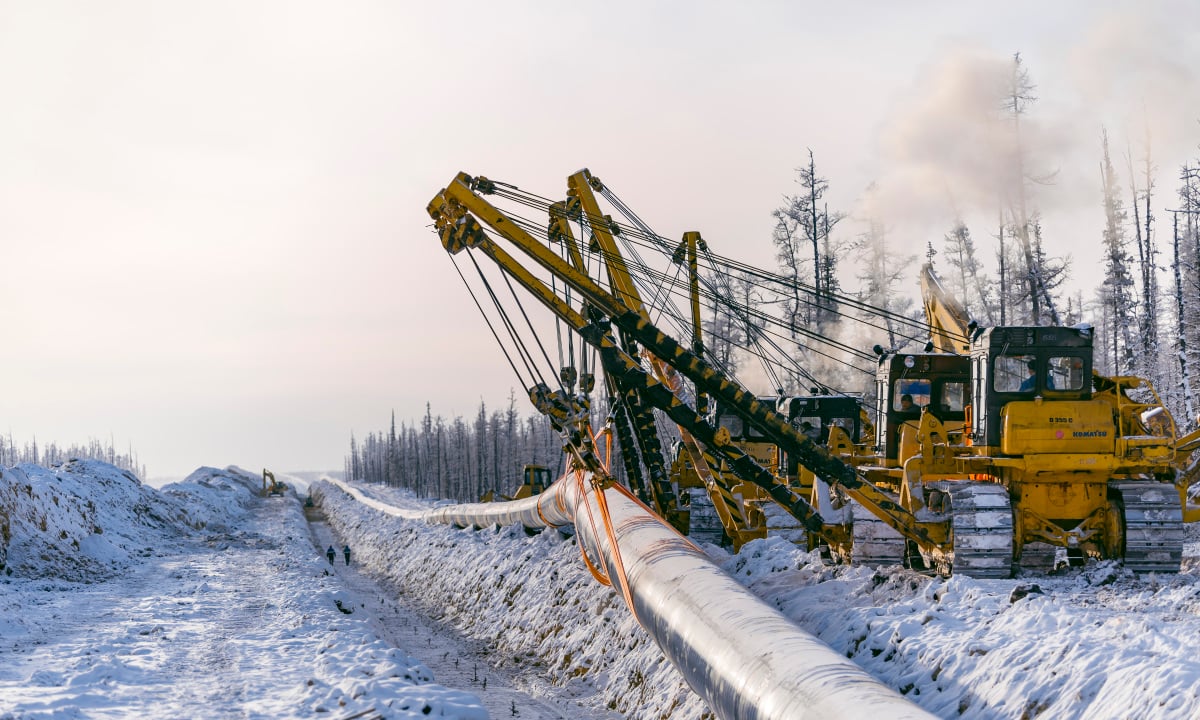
(213, 213)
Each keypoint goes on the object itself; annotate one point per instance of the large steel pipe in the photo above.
(743, 657)
(549, 509)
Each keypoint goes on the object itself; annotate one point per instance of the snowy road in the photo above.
(455, 661)
(236, 622)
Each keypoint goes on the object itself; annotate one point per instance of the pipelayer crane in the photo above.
(1011, 449)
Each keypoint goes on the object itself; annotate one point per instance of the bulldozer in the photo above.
(1013, 438)
(534, 480)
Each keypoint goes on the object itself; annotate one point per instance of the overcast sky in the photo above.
(215, 245)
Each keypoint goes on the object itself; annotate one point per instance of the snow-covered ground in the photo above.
(203, 599)
(1094, 643)
(200, 600)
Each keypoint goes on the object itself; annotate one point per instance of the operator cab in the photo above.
(823, 412)
(745, 435)
(1034, 364)
(815, 415)
(739, 430)
(906, 384)
(537, 478)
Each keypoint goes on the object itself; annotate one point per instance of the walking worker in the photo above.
(330, 554)
(346, 552)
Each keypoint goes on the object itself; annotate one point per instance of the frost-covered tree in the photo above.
(803, 225)
(730, 325)
(392, 476)
(1034, 273)
(1186, 271)
(482, 450)
(1117, 289)
(1143, 224)
(966, 278)
(881, 272)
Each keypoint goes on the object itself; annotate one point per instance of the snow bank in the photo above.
(84, 520)
(1094, 643)
(199, 600)
(215, 499)
(206, 600)
(1097, 642)
(530, 598)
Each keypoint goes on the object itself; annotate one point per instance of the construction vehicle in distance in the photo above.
(1010, 451)
(534, 481)
(271, 486)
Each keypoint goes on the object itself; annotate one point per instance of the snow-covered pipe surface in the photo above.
(743, 657)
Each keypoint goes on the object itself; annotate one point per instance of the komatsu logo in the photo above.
(1089, 433)
(1066, 420)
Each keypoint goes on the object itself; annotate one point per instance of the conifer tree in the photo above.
(1117, 288)
(804, 223)
(966, 279)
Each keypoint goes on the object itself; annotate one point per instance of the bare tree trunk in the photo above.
(1150, 278)
(815, 236)
(1003, 278)
(1185, 383)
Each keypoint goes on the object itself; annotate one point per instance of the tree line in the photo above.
(52, 454)
(445, 457)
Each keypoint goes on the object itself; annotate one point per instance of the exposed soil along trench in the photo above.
(455, 661)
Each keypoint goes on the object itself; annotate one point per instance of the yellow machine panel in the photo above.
(1074, 427)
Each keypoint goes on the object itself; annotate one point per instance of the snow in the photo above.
(226, 611)
(1097, 642)
(204, 599)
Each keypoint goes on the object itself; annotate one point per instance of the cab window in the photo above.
(952, 396)
(752, 433)
(809, 426)
(1065, 373)
(911, 393)
(1014, 373)
(732, 423)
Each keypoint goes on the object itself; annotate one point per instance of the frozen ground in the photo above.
(454, 658)
(1094, 643)
(202, 600)
(205, 600)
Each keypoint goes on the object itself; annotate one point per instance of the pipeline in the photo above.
(744, 658)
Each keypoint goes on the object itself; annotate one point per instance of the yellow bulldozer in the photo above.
(1009, 434)
(534, 480)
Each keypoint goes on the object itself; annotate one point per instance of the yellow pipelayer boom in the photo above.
(1015, 449)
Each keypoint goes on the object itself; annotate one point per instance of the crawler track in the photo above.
(875, 542)
(1153, 526)
(1038, 557)
(982, 529)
